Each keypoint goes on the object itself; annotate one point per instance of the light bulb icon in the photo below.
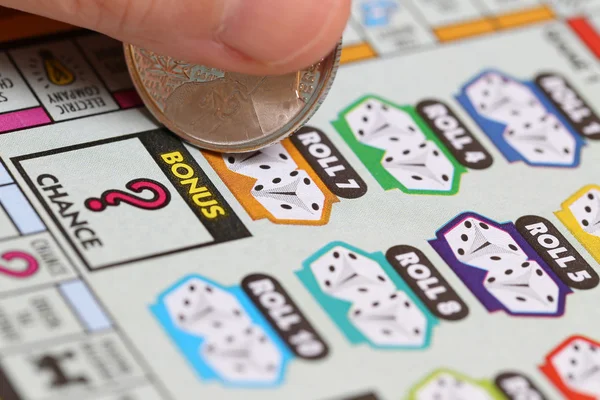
(56, 71)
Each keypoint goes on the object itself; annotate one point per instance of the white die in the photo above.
(542, 140)
(390, 320)
(261, 164)
(586, 210)
(349, 276)
(523, 288)
(201, 309)
(243, 356)
(502, 99)
(379, 125)
(481, 245)
(290, 196)
(420, 167)
(445, 386)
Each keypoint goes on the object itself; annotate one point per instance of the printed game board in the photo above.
(438, 236)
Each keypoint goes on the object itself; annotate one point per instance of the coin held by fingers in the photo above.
(225, 111)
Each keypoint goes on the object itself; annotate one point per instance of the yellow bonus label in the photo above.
(194, 188)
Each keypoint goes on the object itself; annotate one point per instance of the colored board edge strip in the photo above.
(587, 33)
(526, 17)
(357, 52)
(23, 119)
(128, 98)
(463, 30)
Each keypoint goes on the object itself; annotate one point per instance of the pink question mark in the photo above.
(32, 264)
(161, 196)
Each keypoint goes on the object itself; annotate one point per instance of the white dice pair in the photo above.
(578, 366)
(416, 162)
(238, 350)
(286, 192)
(519, 283)
(535, 133)
(385, 315)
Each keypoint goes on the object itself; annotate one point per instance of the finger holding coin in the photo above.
(259, 37)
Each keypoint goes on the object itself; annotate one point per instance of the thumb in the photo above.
(247, 36)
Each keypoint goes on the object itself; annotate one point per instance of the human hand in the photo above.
(248, 36)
